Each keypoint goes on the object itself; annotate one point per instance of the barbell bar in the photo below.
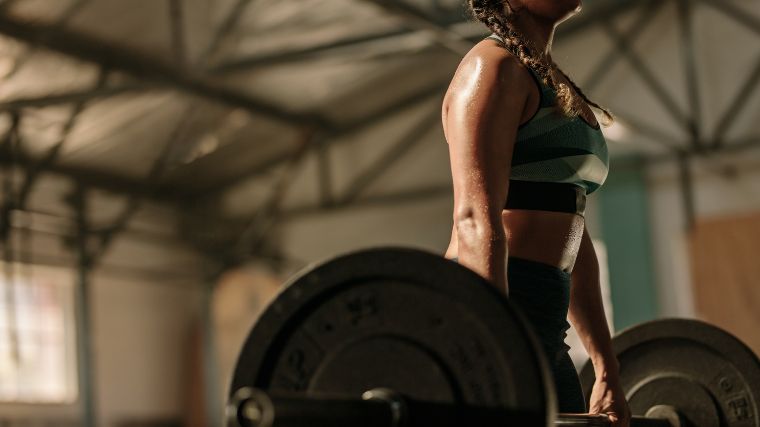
(385, 408)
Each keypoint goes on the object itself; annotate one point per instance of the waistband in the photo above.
(515, 264)
(546, 196)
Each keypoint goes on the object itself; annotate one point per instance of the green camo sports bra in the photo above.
(554, 148)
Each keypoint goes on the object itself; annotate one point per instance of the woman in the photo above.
(525, 150)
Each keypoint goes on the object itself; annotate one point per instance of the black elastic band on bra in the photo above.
(546, 196)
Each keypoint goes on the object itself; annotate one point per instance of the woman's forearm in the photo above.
(482, 246)
(586, 311)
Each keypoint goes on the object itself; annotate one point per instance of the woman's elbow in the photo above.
(474, 224)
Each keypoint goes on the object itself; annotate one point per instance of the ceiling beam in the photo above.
(593, 15)
(435, 89)
(223, 31)
(86, 48)
(177, 26)
(93, 178)
(413, 195)
(295, 55)
(391, 156)
(686, 26)
(658, 89)
(419, 20)
(75, 96)
(751, 22)
(573, 26)
(632, 33)
(744, 95)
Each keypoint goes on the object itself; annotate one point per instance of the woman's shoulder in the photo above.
(489, 61)
(488, 66)
(493, 53)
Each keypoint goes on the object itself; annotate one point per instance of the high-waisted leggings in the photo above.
(542, 292)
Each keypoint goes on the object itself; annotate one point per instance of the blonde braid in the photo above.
(491, 13)
(608, 117)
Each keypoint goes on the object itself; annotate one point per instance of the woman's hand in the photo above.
(607, 397)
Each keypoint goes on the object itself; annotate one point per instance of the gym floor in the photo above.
(167, 166)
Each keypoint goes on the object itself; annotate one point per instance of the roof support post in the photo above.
(685, 21)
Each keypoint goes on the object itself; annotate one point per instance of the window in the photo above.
(37, 340)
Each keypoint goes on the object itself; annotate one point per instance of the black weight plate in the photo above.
(709, 376)
(400, 318)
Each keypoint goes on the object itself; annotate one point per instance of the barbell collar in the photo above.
(395, 401)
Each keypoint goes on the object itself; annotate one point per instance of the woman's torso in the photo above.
(545, 236)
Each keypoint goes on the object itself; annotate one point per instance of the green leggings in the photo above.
(542, 292)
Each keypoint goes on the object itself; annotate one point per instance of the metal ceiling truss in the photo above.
(82, 47)
(656, 88)
(92, 178)
(390, 157)
(414, 195)
(34, 167)
(177, 26)
(140, 65)
(269, 59)
(732, 11)
(33, 172)
(423, 95)
(613, 54)
(416, 22)
(228, 25)
(744, 94)
(20, 60)
(460, 44)
(420, 20)
(72, 97)
(13, 199)
(157, 171)
(266, 218)
(9, 148)
(253, 236)
(685, 21)
(660, 137)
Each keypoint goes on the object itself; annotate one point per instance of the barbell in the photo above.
(404, 337)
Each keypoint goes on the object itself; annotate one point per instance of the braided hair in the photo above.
(492, 14)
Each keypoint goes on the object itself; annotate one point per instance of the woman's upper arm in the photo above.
(486, 103)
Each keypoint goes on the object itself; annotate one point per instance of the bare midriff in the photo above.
(544, 236)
